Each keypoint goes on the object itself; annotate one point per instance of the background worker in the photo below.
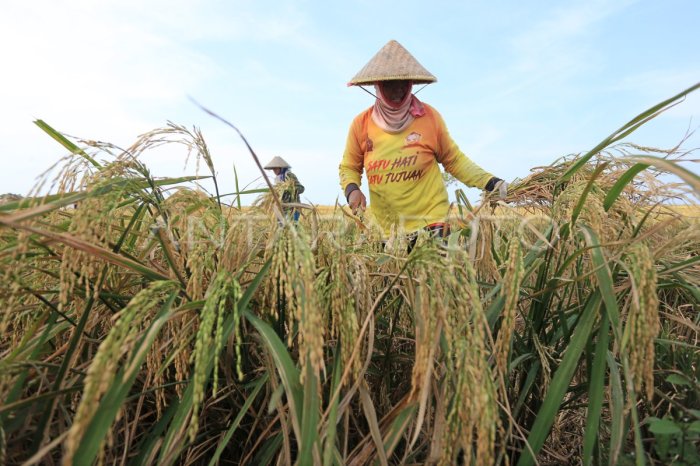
(398, 143)
(289, 186)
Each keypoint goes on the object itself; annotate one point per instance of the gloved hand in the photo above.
(497, 185)
(502, 188)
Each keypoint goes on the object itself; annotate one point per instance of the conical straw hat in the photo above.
(392, 62)
(277, 162)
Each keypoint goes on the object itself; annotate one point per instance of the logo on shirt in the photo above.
(369, 145)
(413, 138)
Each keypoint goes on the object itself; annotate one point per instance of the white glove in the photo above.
(502, 187)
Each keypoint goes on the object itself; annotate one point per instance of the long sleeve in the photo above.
(298, 187)
(454, 160)
(351, 166)
(405, 184)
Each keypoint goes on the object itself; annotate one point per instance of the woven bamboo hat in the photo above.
(277, 162)
(392, 62)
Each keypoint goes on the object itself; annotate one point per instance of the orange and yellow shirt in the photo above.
(406, 187)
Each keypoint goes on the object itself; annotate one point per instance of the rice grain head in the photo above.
(643, 318)
(101, 373)
(510, 291)
(209, 341)
(95, 220)
(447, 297)
(343, 289)
(291, 290)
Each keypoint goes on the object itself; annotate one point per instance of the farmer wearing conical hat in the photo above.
(288, 184)
(398, 143)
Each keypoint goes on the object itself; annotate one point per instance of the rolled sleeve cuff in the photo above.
(349, 189)
(491, 185)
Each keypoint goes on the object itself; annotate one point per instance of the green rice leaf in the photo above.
(371, 416)
(561, 380)
(114, 397)
(237, 421)
(626, 129)
(331, 426)
(309, 416)
(62, 140)
(663, 426)
(620, 184)
(671, 166)
(596, 389)
(617, 406)
(289, 373)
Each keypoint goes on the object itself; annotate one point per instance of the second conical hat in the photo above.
(277, 162)
(392, 62)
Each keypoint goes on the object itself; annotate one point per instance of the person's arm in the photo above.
(455, 161)
(352, 165)
(298, 187)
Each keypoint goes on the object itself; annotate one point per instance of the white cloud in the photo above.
(112, 69)
(558, 47)
(63, 58)
(659, 85)
(99, 70)
(556, 33)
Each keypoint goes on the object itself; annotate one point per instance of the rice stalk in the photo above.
(102, 370)
(224, 288)
(643, 319)
(472, 416)
(343, 288)
(510, 291)
(291, 296)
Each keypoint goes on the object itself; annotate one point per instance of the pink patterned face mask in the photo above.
(395, 107)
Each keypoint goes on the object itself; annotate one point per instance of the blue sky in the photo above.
(519, 83)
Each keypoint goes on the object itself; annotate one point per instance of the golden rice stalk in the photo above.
(478, 384)
(484, 262)
(184, 354)
(344, 284)
(290, 290)
(592, 212)
(343, 289)
(510, 291)
(101, 373)
(472, 420)
(429, 289)
(425, 314)
(544, 353)
(448, 293)
(174, 336)
(199, 263)
(466, 301)
(241, 243)
(643, 319)
(74, 173)
(93, 220)
(11, 299)
(223, 287)
(686, 240)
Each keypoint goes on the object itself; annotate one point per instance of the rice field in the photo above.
(147, 321)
